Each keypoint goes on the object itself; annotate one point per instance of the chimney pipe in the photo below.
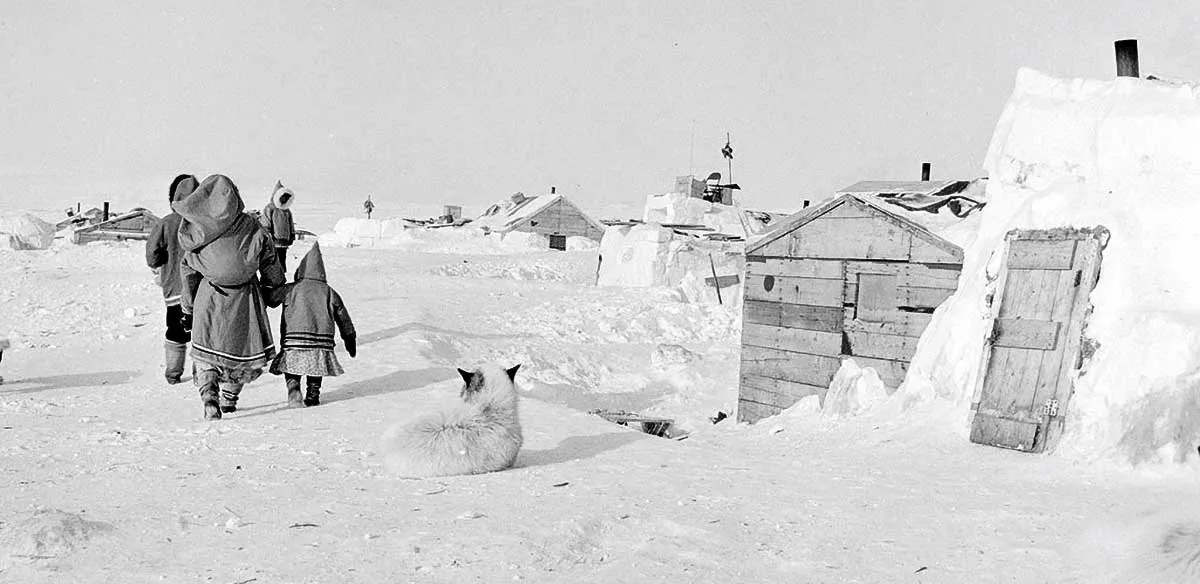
(553, 190)
(925, 170)
(1127, 58)
(105, 217)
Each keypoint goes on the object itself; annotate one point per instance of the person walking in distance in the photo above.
(162, 255)
(277, 219)
(225, 252)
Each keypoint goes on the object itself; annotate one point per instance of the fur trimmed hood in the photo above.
(211, 210)
(282, 197)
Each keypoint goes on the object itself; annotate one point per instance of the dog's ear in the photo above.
(466, 375)
(512, 373)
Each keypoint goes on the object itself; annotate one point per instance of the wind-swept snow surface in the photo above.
(134, 487)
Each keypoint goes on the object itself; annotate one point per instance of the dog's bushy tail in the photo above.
(1154, 548)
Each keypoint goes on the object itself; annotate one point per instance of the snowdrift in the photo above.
(395, 234)
(650, 255)
(23, 231)
(1124, 154)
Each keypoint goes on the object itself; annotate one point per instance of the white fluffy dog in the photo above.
(480, 434)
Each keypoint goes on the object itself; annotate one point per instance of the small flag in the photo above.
(727, 151)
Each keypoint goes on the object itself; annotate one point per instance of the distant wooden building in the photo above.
(551, 215)
(857, 276)
(135, 224)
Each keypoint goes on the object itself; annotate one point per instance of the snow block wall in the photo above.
(1124, 154)
(682, 209)
(22, 231)
(650, 255)
(353, 231)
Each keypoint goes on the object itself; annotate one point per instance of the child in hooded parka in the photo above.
(311, 309)
(162, 255)
(224, 253)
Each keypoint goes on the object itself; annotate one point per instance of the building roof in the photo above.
(895, 187)
(518, 208)
(928, 208)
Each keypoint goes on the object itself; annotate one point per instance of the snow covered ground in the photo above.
(271, 494)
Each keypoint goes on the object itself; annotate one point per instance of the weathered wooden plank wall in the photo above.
(561, 218)
(847, 283)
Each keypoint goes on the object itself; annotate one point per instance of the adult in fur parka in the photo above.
(225, 252)
(277, 219)
(162, 255)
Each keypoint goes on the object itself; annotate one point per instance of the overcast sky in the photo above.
(465, 102)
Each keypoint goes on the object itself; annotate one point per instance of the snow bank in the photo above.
(23, 231)
(649, 255)
(853, 391)
(1124, 154)
(357, 232)
(395, 234)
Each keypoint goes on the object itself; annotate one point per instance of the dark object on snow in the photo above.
(653, 426)
(1127, 57)
(717, 418)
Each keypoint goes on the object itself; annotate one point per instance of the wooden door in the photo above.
(1035, 338)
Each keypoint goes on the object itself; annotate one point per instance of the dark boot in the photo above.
(293, 387)
(176, 354)
(312, 394)
(208, 395)
(229, 396)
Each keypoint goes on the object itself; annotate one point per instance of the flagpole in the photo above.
(730, 160)
(692, 152)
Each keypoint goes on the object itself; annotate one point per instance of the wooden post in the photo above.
(1127, 58)
(105, 216)
(716, 280)
(78, 208)
(925, 166)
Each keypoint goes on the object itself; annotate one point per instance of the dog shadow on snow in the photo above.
(393, 332)
(35, 384)
(404, 380)
(579, 447)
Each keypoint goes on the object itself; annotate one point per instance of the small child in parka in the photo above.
(311, 309)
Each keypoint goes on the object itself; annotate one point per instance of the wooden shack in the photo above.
(855, 277)
(551, 215)
(135, 224)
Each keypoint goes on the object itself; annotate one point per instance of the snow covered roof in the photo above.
(518, 208)
(927, 207)
(924, 187)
